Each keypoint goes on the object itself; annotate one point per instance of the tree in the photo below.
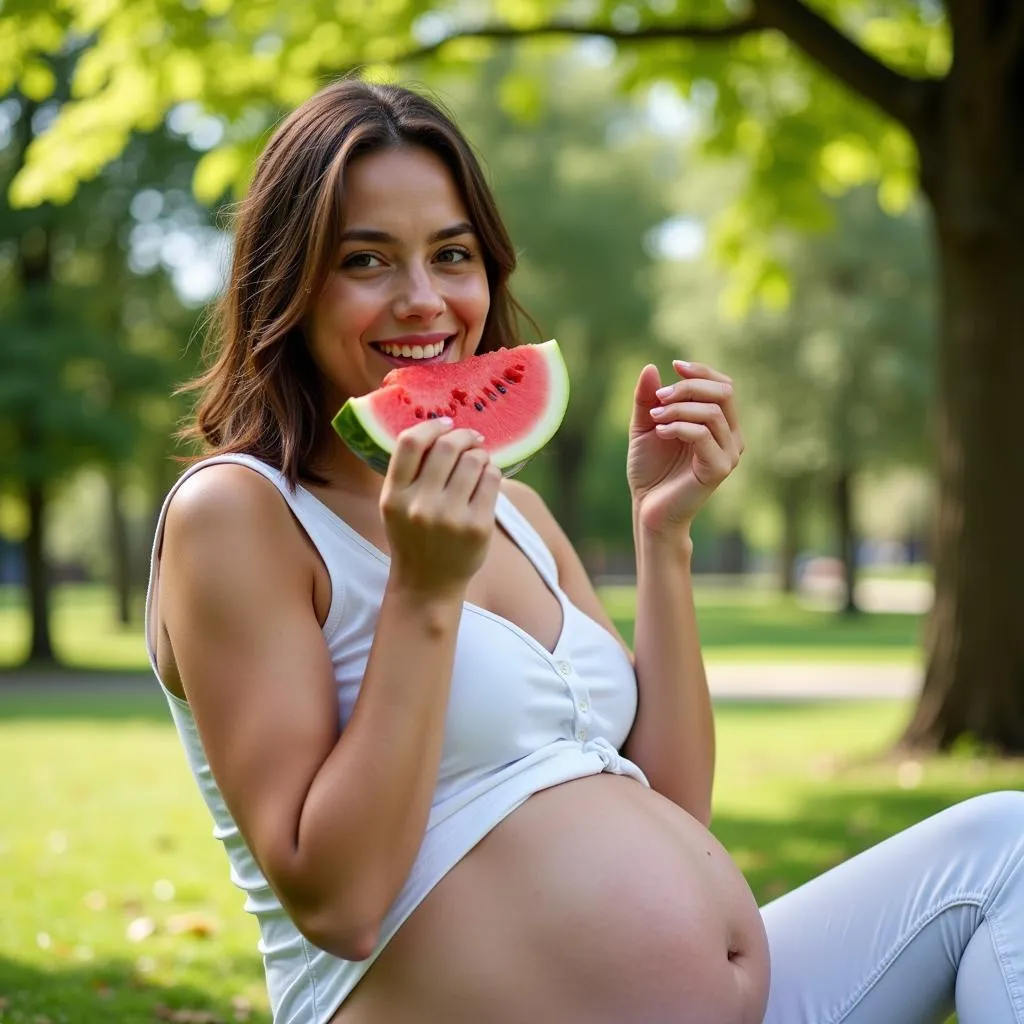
(841, 377)
(82, 372)
(840, 92)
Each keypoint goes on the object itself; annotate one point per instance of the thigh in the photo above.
(878, 939)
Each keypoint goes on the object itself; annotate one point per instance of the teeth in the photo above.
(414, 351)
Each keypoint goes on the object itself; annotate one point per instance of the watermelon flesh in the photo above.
(515, 397)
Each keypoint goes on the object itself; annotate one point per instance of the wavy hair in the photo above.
(261, 392)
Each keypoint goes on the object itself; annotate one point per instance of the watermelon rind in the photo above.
(368, 438)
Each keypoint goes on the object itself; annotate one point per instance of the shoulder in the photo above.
(224, 506)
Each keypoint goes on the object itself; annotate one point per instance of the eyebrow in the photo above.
(371, 235)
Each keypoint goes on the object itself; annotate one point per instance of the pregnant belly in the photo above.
(596, 901)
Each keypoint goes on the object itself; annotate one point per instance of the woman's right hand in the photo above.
(438, 507)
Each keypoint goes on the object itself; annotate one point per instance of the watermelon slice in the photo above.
(516, 397)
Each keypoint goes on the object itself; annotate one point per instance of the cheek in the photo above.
(472, 301)
(343, 311)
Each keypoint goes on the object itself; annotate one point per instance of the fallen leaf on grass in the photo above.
(194, 923)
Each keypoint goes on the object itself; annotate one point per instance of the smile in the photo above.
(422, 352)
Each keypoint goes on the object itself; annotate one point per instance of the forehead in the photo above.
(402, 190)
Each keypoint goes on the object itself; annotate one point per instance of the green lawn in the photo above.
(736, 624)
(103, 838)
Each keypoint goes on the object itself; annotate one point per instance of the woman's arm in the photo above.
(673, 736)
(335, 822)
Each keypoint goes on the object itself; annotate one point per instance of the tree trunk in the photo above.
(792, 493)
(846, 534)
(120, 548)
(973, 172)
(568, 450)
(38, 577)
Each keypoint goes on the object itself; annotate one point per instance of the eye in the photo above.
(361, 261)
(454, 254)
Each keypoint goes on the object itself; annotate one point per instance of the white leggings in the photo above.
(926, 922)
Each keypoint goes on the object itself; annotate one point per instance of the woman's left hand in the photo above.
(683, 442)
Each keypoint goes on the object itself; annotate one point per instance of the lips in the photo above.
(408, 343)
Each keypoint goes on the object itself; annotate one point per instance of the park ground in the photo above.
(117, 905)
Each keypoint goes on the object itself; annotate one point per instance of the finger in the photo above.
(710, 414)
(705, 389)
(690, 370)
(465, 477)
(485, 497)
(645, 397)
(710, 457)
(412, 446)
(443, 456)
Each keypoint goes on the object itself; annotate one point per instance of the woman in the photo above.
(448, 789)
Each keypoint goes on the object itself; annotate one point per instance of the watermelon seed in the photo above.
(500, 387)
(459, 395)
(490, 394)
(478, 407)
(431, 415)
(419, 412)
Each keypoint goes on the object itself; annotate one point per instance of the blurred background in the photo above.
(802, 194)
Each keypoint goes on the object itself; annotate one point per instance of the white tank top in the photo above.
(520, 719)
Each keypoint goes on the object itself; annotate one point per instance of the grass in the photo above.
(101, 826)
(737, 624)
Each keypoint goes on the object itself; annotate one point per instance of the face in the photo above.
(408, 285)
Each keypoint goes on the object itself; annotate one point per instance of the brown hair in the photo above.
(262, 394)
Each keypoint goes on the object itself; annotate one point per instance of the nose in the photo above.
(418, 297)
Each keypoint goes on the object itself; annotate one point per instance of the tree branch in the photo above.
(899, 96)
(697, 33)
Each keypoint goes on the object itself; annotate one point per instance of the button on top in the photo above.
(581, 734)
(565, 668)
(584, 706)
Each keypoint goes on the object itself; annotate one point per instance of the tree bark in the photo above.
(973, 171)
(792, 494)
(846, 535)
(37, 577)
(120, 548)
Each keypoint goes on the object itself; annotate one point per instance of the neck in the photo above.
(345, 471)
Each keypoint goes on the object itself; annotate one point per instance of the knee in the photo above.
(990, 818)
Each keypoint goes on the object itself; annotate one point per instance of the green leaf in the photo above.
(218, 171)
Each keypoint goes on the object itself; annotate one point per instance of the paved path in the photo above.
(727, 680)
(836, 680)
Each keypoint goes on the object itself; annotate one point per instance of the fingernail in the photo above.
(658, 411)
(681, 362)
(480, 438)
(445, 421)
(664, 393)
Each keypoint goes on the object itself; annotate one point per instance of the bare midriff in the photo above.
(598, 901)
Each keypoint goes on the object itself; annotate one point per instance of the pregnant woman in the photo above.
(448, 789)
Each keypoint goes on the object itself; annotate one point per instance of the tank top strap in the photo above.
(304, 506)
(520, 529)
